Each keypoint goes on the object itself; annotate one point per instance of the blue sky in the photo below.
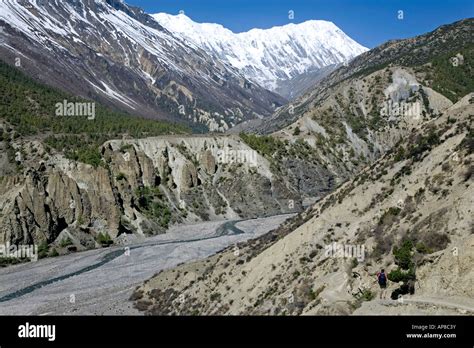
(370, 22)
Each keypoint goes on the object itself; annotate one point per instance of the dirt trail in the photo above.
(420, 305)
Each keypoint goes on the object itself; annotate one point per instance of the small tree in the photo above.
(403, 256)
(404, 260)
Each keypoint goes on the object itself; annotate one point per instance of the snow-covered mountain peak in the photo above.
(269, 56)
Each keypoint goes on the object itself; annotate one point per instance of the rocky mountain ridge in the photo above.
(275, 58)
(120, 56)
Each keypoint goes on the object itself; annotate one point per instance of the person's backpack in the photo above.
(382, 279)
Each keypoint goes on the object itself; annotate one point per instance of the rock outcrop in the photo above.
(142, 187)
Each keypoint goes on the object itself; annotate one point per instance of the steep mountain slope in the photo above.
(271, 57)
(429, 56)
(352, 118)
(106, 50)
(353, 126)
(410, 213)
(300, 84)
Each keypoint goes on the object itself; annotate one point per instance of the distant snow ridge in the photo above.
(268, 56)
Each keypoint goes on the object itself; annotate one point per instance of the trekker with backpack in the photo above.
(382, 279)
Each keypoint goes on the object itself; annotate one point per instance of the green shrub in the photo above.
(65, 242)
(423, 249)
(394, 211)
(215, 296)
(104, 239)
(354, 263)
(125, 147)
(367, 295)
(120, 176)
(398, 275)
(43, 249)
(400, 155)
(8, 261)
(361, 296)
(150, 202)
(265, 145)
(80, 220)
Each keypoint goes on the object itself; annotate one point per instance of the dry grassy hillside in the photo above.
(410, 213)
